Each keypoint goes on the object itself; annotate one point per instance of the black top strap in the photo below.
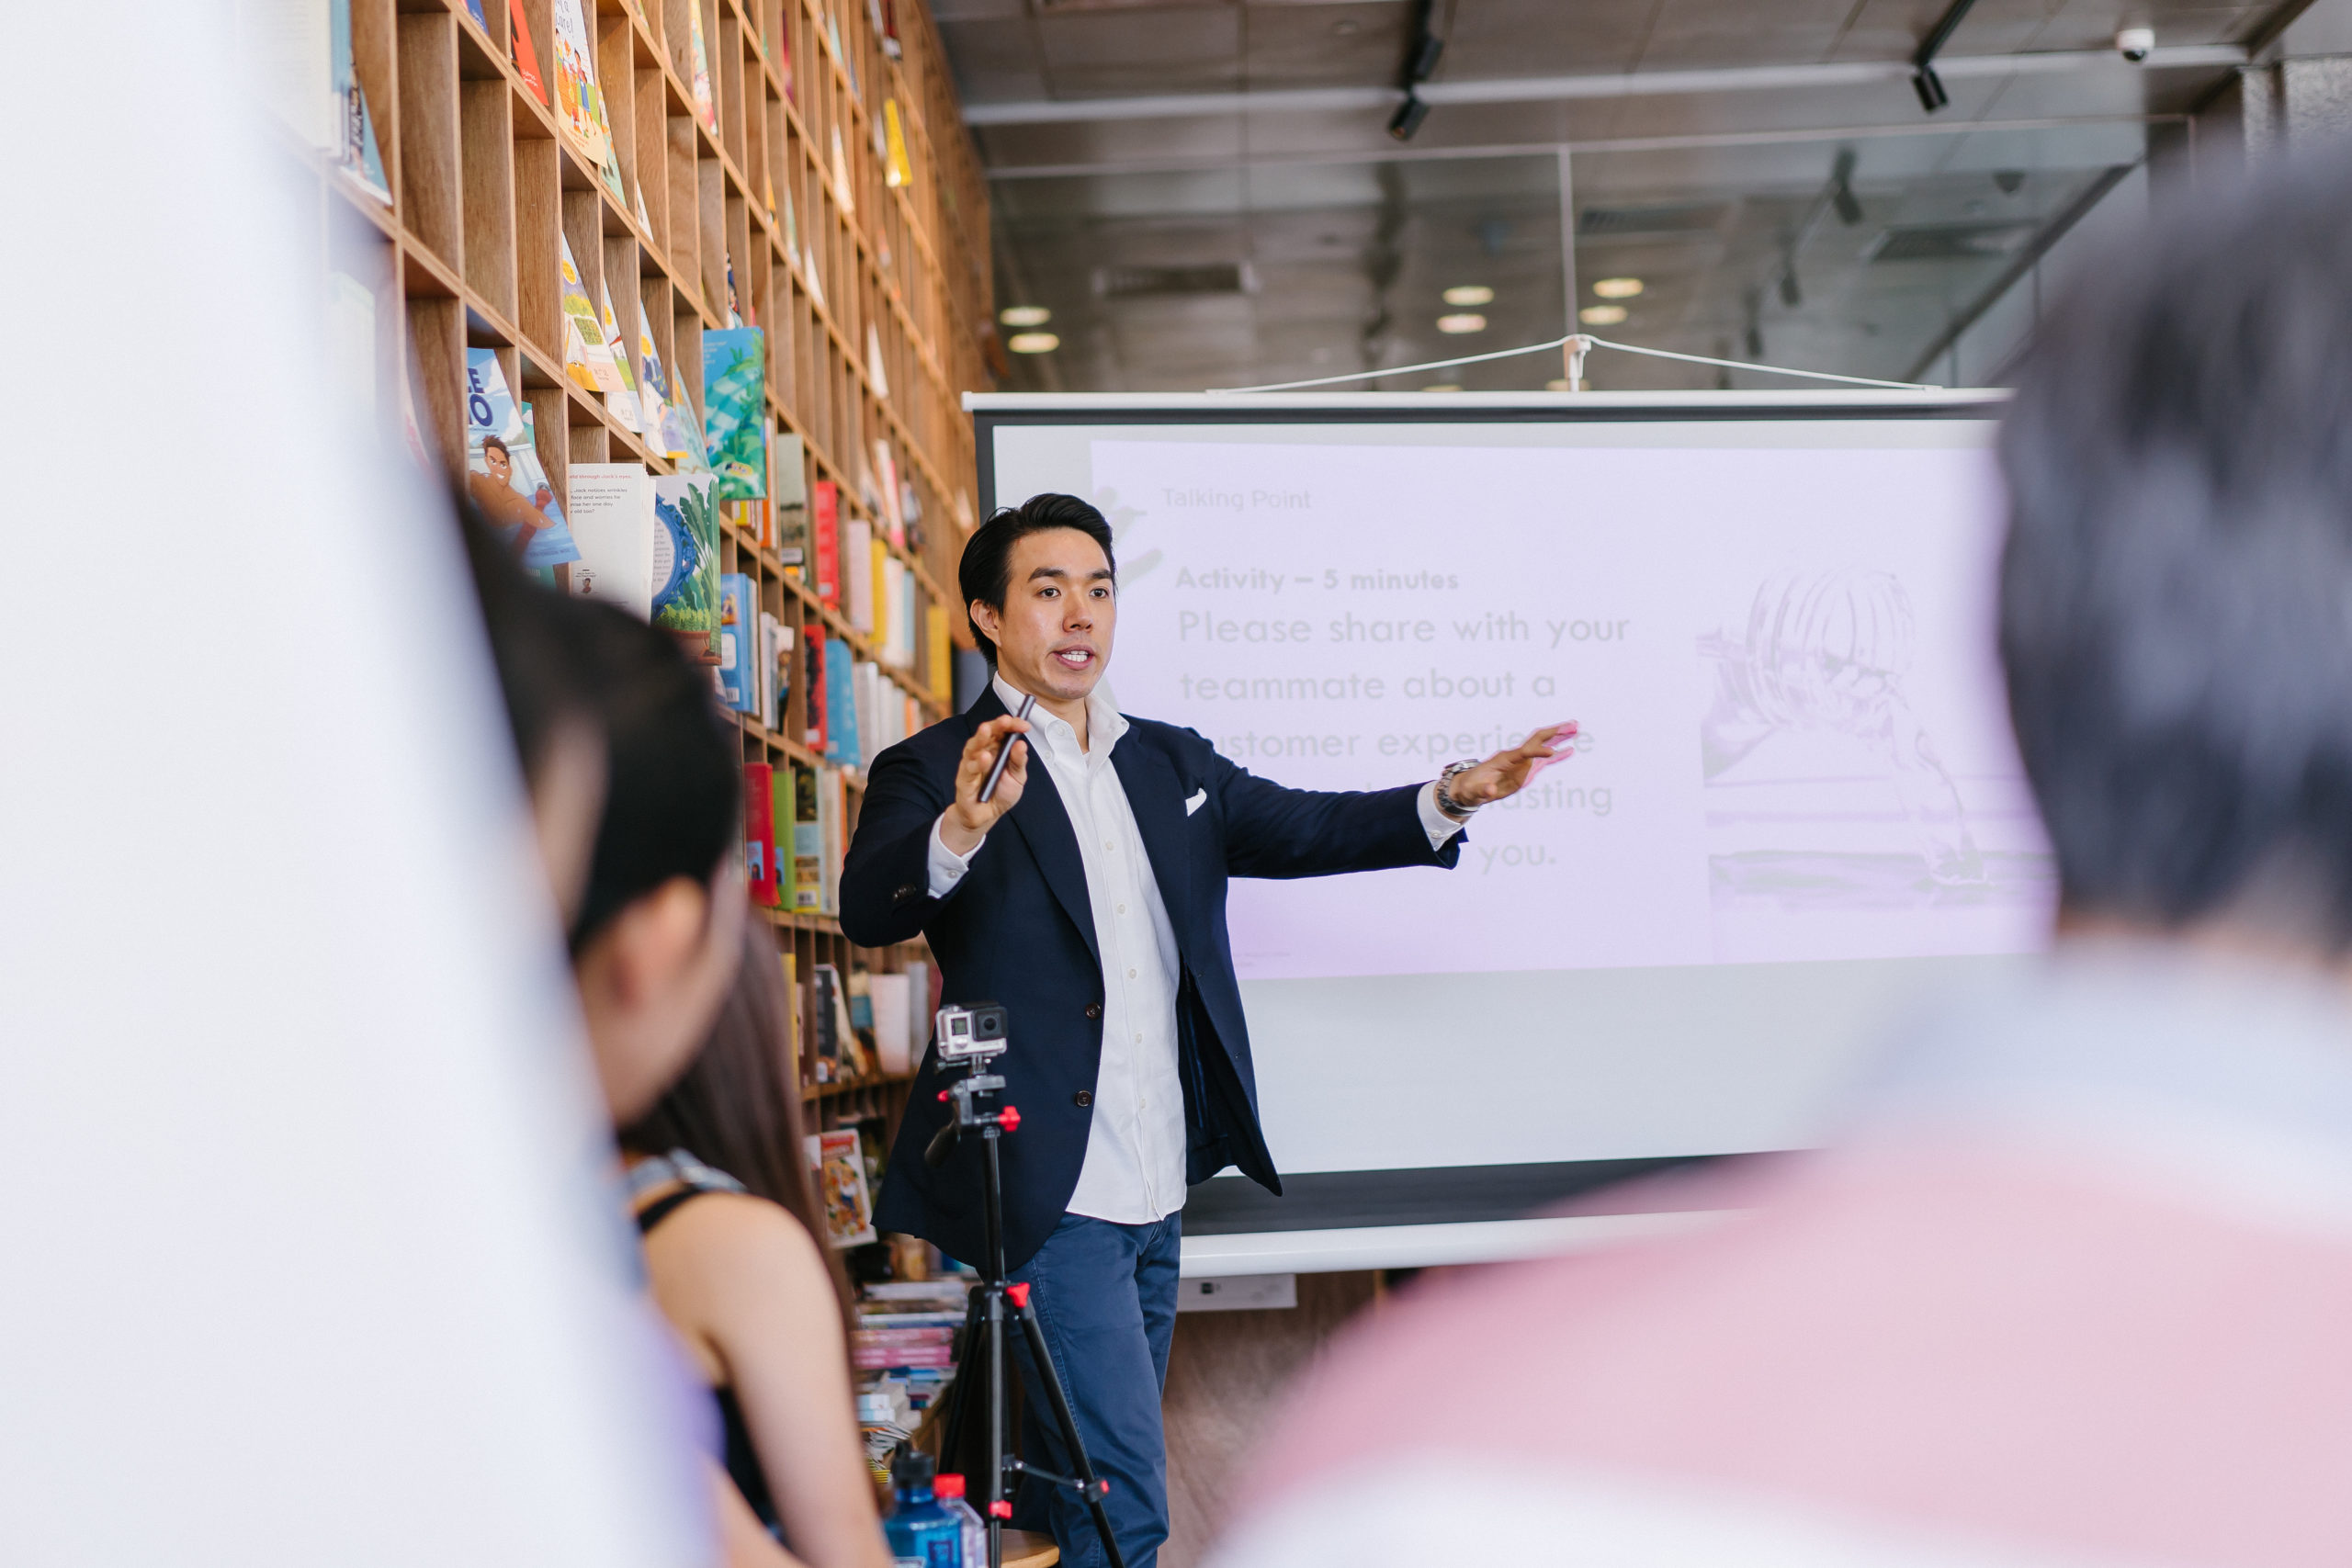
(668, 1203)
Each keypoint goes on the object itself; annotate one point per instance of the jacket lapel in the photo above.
(1157, 798)
(1044, 824)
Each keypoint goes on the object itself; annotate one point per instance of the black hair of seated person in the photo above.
(737, 1108)
(673, 770)
(537, 642)
(2175, 616)
(985, 571)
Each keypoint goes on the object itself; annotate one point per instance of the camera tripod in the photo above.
(992, 1301)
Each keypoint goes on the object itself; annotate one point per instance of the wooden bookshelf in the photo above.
(485, 184)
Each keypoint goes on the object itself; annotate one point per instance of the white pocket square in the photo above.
(1200, 797)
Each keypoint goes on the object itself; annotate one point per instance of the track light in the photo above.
(1847, 206)
(1924, 80)
(1930, 88)
(1408, 116)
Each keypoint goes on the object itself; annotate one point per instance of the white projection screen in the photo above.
(1794, 813)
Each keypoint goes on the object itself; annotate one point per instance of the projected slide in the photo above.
(1794, 744)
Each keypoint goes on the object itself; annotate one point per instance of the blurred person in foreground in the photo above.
(740, 1269)
(2076, 1284)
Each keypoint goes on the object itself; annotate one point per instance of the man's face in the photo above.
(1053, 637)
(496, 461)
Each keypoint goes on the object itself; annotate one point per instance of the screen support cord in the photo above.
(1577, 345)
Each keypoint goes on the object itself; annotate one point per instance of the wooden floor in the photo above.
(1227, 1375)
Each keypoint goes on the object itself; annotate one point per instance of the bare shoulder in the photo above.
(736, 1239)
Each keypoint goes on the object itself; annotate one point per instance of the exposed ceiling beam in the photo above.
(1614, 85)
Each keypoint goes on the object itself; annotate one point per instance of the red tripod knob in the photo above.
(999, 1510)
(1020, 1293)
(1009, 1119)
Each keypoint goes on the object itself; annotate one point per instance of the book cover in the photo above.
(792, 1062)
(885, 473)
(357, 153)
(587, 357)
(887, 573)
(503, 477)
(825, 540)
(579, 107)
(840, 175)
(759, 832)
(652, 392)
(875, 371)
(736, 629)
(942, 652)
(866, 706)
(812, 695)
(706, 106)
(526, 55)
(734, 411)
(832, 823)
(612, 521)
(685, 558)
(788, 496)
(623, 400)
(480, 20)
(858, 566)
(840, 705)
(838, 1157)
(808, 847)
(899, 170)
(824, 1010)
(784, 814)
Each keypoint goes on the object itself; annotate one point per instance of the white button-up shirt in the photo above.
(1134, 1171)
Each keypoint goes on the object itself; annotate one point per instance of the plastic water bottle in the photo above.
(922, 1533)
(949, 1489)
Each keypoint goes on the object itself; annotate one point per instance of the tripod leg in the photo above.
(1082, 1466)
(996, 1424)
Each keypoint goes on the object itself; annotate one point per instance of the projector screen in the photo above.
(1793, 811)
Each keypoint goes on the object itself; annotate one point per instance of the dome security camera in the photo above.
(2136, 44)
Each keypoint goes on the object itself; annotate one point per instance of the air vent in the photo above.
(1947, 242)
(1156, 282)
(1681, 218)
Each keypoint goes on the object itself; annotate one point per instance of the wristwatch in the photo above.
(1445, 801)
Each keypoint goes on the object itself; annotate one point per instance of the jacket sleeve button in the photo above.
(1094, 1011)
(1084, 1099)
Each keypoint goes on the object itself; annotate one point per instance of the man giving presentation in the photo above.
(1087, 894)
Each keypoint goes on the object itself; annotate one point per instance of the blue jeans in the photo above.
(1105, 1294)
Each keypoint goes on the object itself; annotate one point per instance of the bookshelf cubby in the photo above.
(847, 271)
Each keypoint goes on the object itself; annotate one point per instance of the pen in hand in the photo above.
(1004, 752)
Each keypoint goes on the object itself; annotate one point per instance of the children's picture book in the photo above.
(736, 636)
(857, 572)
(840, 706)
(940, 653)
(706, 106)
(788, 496)
(357, 153)
(825, 541)
(502, 473)
(480, 20)
(808, 847)
(759, 833)
(579, 107)
(526, 55)
(587, 357)
(611, 518)
(685, 563)
(734, 366)
(624, 403)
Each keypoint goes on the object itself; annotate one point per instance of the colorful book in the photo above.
(825, 1010)
(579, 107)
(734, 411)
(940, 653)
(813, 691)
(526, 57)
(784, 812)
(652, 392)
(706, 106)
(832, 824)
(788, 496)
(612, 519)
(840, 705)
(857, 568)
(736, 633)
(886, 476)
(840, 175)
(897, 168)
(825, 540)
(808, 847)
(685, 562)
(356, 154)
(587, 357)
(624, 401)
(502, 473)
(759, 833)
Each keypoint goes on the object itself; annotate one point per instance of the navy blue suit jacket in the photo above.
(1019, 930)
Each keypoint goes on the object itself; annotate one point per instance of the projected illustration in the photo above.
(1824, 787)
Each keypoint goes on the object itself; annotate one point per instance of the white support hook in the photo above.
(1575, 349)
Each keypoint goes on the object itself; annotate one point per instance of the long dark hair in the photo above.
(737, 1108)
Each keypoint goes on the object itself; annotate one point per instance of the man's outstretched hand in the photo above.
(1506, 772)
(968, 820)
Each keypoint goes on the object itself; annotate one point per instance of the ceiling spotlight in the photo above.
(1025, 315)
(1032, 343)
(1601, 315)
(1469, 294)
(1408, 116)
(1618, 288)
(1463, 322)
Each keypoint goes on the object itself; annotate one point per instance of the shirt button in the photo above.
(1106, 843)
(1095, 1010)
(1139, 1036)
(1083, 1098)
(1131, 973)
(1122, 908)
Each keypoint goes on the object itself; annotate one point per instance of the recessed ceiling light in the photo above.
(1442, 387)
(1618, 288)
(1601, 315)
(1465, 321)
(1469, 294)
(1025, 315)
(1032, 343)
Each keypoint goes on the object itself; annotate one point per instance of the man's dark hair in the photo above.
(673, 770)
(2177, 589)
(985, 574)
(489, 441)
